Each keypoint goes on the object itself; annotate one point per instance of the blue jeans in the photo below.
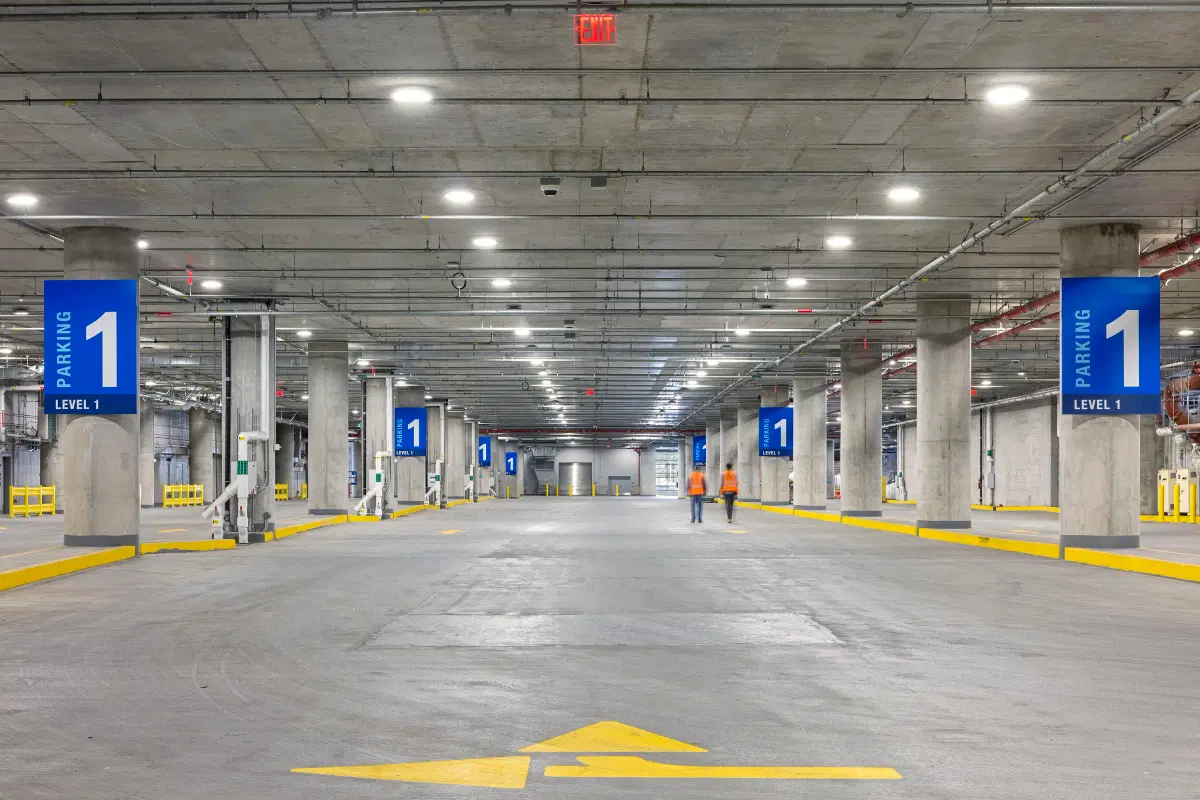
(697, 508)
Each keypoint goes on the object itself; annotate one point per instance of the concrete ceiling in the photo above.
(266, 153)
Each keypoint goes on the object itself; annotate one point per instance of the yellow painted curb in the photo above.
(819, 515)
(404, 512)
(361, 518)
(879, 525)
(1040, 549)
(776, 509)
(1146, 566)
(453, 503)
(1169, 519)
(902, 502)
(64, 566)
(740, 504)
(1050, 509)
(324, 522)
(188, 547)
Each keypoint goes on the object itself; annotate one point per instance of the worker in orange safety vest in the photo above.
(729, 490)
(697, 488)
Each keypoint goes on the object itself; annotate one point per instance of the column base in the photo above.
(775, 503)
(327, 512)
(944, 523)
(810, 508)
(861, 513)
(100, 540)
(1100, 542)
(747, 499)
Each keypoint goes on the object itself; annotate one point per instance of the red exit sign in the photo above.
(595, 29)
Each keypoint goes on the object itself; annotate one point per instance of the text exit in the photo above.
(595, 29)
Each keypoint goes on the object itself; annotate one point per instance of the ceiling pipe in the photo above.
(615, 216)
(1018, 212)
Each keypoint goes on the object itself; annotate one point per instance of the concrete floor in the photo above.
(34, 540)
(772, 641)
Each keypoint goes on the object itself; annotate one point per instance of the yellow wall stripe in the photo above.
(63, 566)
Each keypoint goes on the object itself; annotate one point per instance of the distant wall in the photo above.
(605, 461)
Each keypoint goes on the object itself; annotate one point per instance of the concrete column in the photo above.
(489, 477)
(647, 459)
(522, 467)
(943, 457)
(831, 466)
(1100, 456)
(1152, 461)
(729, 442)
(773, 469)
(251, 396)
(146, 454)
(328, 415)
(203, 433)
(812, 457)
(100, 452)
(456, 454)
(285, 457)
(685, 466)
(410, 471)
(713, 464)
(862, 429)
(749, 463)
(473, 458)
(379, 432)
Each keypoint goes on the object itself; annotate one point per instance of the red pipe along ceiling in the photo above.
(1173, 407)
(1184, 244)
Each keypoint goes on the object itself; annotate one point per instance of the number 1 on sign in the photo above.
(1127, 324)
(415, 427)
(781, 426)
(105, 326)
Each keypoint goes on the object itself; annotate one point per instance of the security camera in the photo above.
(550, 186)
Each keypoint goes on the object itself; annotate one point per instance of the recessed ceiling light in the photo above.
(543, 373)
(304, 334)
(742, 332)
(485, 242)
(142, 244)
(713, 362)
(701, 373)
(522, 332)
(459, 197)
(1021, 374)
(796, 281)
(412, 95)
(903, 194)
(838, 241)
(211, 284)
(362, 362)
(1008, 94)
(303, 397)
(905, 403)
(501, 283)
(535, 362)
(1186, 332)
(546, 382)
(21, 200)
(428, 397)
(985, 382)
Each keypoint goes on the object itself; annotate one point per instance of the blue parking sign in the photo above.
(510, 463)
(774, 431)
(485, 451)
(699, 449)
(412, 431)
(1109, 345)
(91, 347)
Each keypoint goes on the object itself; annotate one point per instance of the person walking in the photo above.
(697, 488)
(729, 490)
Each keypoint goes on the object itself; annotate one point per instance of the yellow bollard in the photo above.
(547, 490)
(556, 490)
(506, 497)
(883, 487)
(1175, 510)
(618, 490)
(1162, 502)
(1192, 502)
(593, 490)
(570, 490)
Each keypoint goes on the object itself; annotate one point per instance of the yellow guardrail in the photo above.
(33, 500)
(281, 491)
(180, 495)
(303, 492)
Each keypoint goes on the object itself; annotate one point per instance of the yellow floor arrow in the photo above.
(448, 532)
(637, 767)
(508, 772)
(611, 737)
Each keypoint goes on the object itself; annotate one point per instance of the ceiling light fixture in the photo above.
(693, 384)
(428, 397)
(501, 283)
(795, 282)
(362, 362)
(713, 362)
(211, 285)
(303, 397)
(485, 242)
(742, 332)
(985, 382)
(304, 334)
(546, 382)
(543, 373)
(142, 244)
(1186, 332)
(535, 362)
(152, 383)
(21, 200)
(521, 332)
(6, 351)
(903, 194)
(1020, 374)
(701, 373)
(1008, 94)
(21, 311)
(412, 95)
(838, 241)
(460, 197)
